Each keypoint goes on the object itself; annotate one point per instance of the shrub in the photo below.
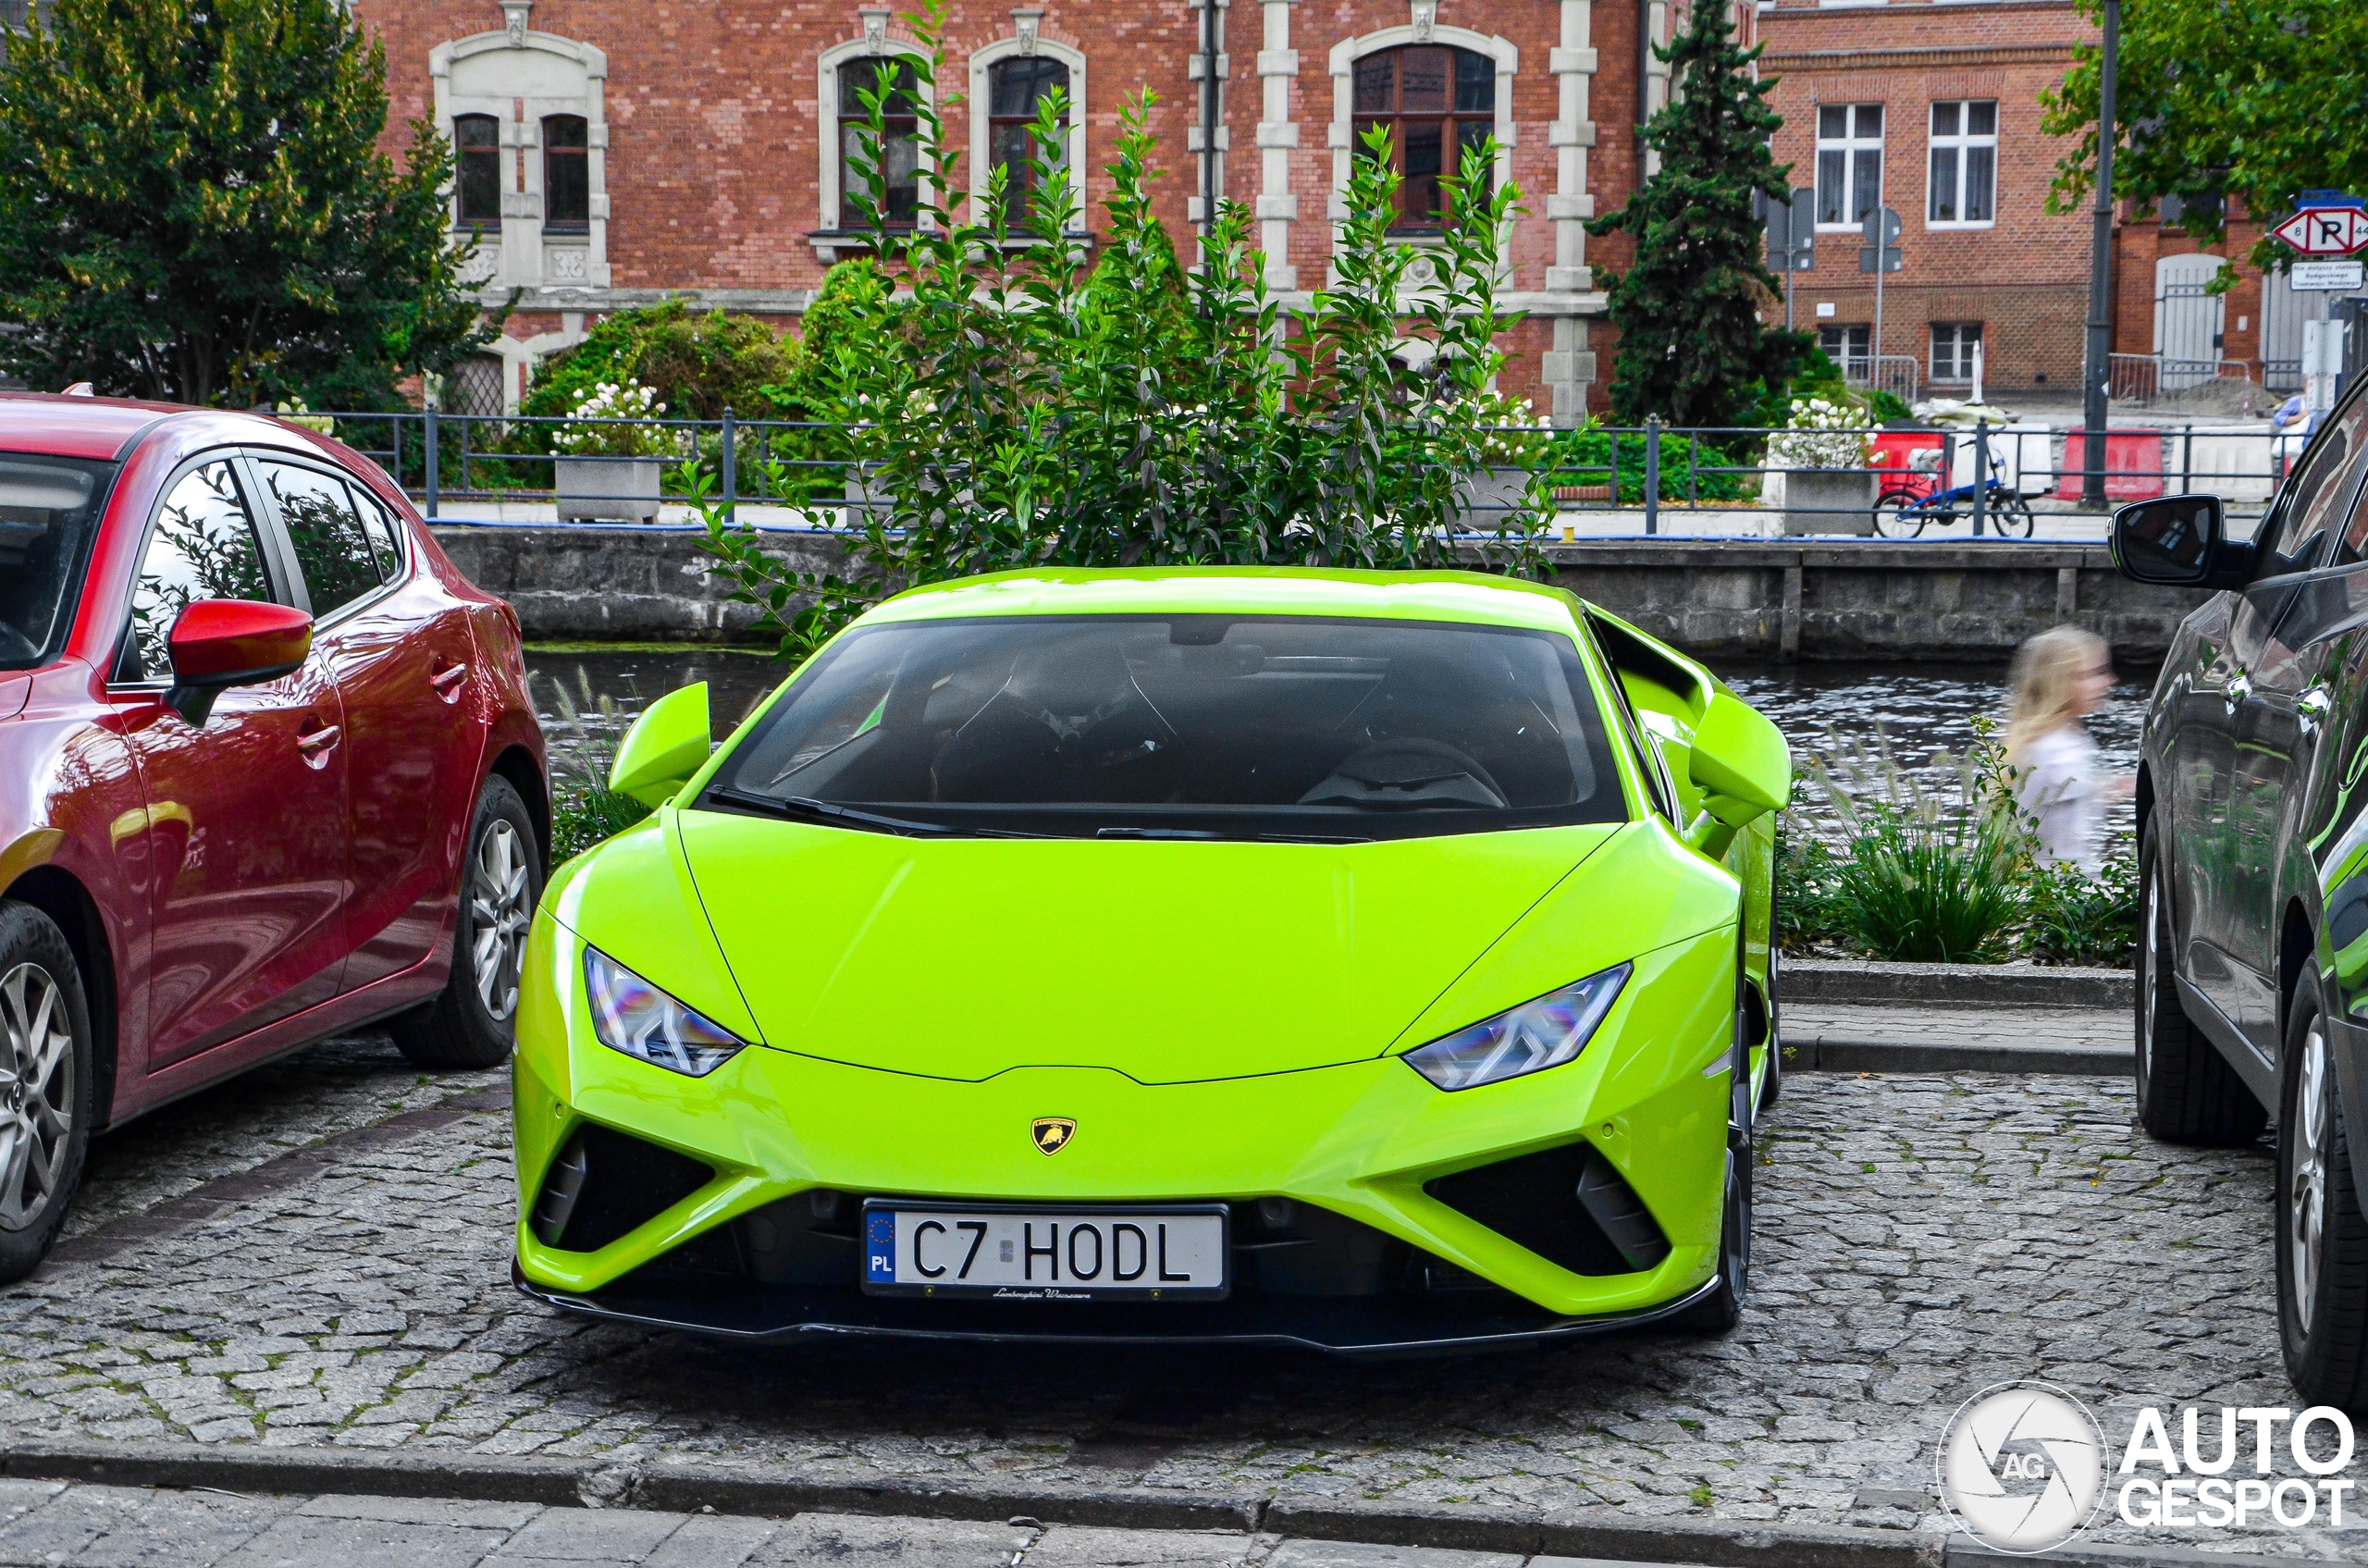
(584, 811)
(1932, 876)
(2080, 918)
(1587, 458)
(1014, 408)
(1821, 434)
(586, 434)
(696, 364)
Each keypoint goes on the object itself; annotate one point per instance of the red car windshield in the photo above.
(49, 512)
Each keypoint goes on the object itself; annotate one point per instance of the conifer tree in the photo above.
(194, 205)
(1693, 348)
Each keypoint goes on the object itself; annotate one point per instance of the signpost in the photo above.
(1879, 255)
(1792, 240)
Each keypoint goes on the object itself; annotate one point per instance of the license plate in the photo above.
(1032, 1254)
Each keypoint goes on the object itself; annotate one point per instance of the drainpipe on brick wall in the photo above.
(2100, 365)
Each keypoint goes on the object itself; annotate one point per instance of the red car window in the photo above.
(332, 551)
(204, 545)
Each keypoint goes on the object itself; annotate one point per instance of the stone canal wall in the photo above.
(1728, 599)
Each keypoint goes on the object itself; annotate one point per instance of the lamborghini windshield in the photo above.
(1183, 726)
(49, 513)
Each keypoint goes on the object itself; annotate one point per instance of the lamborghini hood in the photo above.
(1170, 962)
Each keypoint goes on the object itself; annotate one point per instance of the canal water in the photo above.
(1917, 710)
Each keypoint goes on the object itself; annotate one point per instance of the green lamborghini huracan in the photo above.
(1377, 962)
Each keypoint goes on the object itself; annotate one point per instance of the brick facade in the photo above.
(2024, 278)
(708, 128)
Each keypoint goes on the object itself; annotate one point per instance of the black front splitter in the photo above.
(1378, 1327)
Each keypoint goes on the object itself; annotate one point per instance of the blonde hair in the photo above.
(2041, 697)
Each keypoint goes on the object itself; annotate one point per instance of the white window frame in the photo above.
(1961, 351)
(1956, 147)
(981, 63)
(1842, 361)
(828, 238)
(525, 258)
(1343, 138)
(1850, 144)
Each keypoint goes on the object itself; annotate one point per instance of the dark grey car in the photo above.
(2253, 987)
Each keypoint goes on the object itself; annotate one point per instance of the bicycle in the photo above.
(1904, 511)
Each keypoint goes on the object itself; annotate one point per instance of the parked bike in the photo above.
(1914, 502)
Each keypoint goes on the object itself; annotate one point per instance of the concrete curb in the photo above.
(1868, 982)
(1916, 1055)
(575, 1483)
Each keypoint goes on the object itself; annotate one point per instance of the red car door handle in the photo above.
(318, 741)
(448, 682)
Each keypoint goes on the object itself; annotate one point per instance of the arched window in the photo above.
(567, 176)
(1436, 101)
(1015, 87)
(477, 177)
(900, 155)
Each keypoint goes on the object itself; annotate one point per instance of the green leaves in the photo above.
(194, 205)
(1022, 401)
(2255, 100)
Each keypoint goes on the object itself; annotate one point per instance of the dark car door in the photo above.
(245, 816)
(402, 656)
(2277, 642)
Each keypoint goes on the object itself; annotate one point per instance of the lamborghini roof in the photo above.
(1240, 591)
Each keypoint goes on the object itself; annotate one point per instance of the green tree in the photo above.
(194, 205)
(1693, 348)
(2256, 101)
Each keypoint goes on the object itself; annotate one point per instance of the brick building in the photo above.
(614, 152)
(1931, 107)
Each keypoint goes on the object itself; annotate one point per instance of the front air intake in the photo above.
(1568, 1206)
(606, 1183)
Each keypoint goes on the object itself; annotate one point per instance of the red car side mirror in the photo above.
(220, 643)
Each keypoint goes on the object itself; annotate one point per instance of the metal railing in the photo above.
(2146, 380)
(1896, 374)
(1644, 478)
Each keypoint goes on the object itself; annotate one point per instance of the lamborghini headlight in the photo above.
(632, 1015)
(1530, 1038)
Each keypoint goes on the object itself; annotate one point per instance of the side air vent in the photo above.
(606, 1183)
(1568, 1206)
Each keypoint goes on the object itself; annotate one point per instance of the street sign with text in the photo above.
(2339, 277)
(2325, 232)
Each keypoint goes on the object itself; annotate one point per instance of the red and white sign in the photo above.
(2325, 232)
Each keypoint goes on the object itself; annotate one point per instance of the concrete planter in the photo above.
(1493, 500)
(1839, 501)
(608, 489)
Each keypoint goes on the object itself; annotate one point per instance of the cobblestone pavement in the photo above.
(1920, 1237)
(42, 1523)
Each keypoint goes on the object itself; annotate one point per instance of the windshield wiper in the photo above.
(807, 806)
(1212, 836)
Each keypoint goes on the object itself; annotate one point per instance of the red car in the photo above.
(267, 772)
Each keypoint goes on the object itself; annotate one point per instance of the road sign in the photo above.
(1791, 232)
(2340, 276)
(2325, 232)
(1880, 231)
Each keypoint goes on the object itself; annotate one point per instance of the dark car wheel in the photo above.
(2187, 1090)
(474, 1022)
(1719, 1311)
(2322, 1235)
(45, 1085)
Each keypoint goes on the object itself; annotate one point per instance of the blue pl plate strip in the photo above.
(880, 1246)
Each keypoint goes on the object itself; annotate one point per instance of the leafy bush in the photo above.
(2079, 918)
(584, 811)
(697, 364)
(1805, 883)
(1821, 434)
(1014, 408)
(1932, 876)
(587, 434)
(1586, 457)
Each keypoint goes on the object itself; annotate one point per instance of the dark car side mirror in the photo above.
(2179, 541)
(220, 643)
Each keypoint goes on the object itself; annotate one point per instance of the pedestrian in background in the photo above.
(2057, 679)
